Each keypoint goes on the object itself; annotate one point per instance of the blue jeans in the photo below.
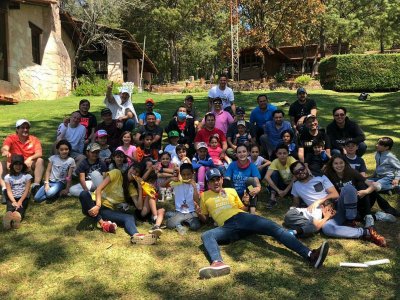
(175, 218)
(129, 125)
(52, 193)
(122, 219)
(277, 179)
(346, 209)
(242, 225)
(385, 183)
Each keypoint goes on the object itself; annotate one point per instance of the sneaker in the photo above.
(168, 194)
(216, 269)
(182, 230)
(7, 220)
(318, 256)
(156, 230)
(109, 226)
(368, 221)
(271, 204)
(384, 217)
(143, 239)
(16, 219)
(375, 237)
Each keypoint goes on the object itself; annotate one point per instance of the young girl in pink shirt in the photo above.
(127, 146)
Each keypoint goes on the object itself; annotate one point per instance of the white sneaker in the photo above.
(369, 221)
(385, 217)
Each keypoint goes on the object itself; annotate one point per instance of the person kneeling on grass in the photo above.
(18, 184)
(111, 198)
(186, 199)
(226, 208)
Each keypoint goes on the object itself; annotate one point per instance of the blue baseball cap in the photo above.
(212, 173)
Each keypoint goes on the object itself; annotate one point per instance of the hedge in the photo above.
(355, 72)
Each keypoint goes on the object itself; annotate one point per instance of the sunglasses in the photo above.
(339, 115)
(298, 171)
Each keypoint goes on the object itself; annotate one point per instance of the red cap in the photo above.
(149, 100)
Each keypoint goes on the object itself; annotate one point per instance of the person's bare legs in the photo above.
(38, 170)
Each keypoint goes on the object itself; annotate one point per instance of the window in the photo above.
(36, 33)
(3, 45)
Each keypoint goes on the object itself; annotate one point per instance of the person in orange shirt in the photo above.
(29, 147)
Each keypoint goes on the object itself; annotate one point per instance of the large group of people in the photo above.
(213, 167)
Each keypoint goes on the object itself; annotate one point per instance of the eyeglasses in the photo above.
(339, 115)
(298, 171)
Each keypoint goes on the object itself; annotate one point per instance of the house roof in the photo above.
(73, 25)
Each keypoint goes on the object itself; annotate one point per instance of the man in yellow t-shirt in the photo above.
(226, 208)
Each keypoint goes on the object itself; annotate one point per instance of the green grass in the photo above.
(57, 254)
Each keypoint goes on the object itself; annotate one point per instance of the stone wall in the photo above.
(115, 62)
(27, 80)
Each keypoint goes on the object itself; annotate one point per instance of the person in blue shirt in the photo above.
(273, 131)
(149, 109)
(262, 113)
(244, 177)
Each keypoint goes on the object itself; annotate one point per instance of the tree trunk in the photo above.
(173, 59)
(303, 64)
(339, 44)
(382, 43)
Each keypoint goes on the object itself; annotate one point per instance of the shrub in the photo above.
(280, 77)
(195, 89)
(353, 72)
(303, 80)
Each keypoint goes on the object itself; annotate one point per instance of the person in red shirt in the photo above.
(203, 135)
(29, 147)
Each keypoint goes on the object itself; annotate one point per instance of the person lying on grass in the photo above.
(111, 205)
(226, 208)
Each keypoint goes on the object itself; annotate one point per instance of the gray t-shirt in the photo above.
(59, 169)
(17, 183)
(313, 190)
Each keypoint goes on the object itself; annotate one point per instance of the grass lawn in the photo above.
(58, 254)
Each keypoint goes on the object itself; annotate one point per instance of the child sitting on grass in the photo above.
(181, 151)
(58, 176)
(201, 162)
(18, 183)
(356, 162)
(260, 162)
(119, 161)
(387, 172)
(186, 201)
(127, 146)
(287, 137)
(220, 159)
(165, 169)
(173, 138)
(146, 152)
(105, 152)
(316, 161)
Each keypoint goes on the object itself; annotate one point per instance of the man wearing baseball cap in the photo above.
(149, 103)
(29, 147)
(299, 109)
(121, 107)
(229, 212)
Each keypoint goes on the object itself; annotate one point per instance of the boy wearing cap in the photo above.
(29, 147)
(121, 107)
(227, 210)
(113, 131)
(105, 152)
(242, 137)
(90, 171)
(302, 107)
(149, 109)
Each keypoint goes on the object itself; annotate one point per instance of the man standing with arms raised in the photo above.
(225, 93)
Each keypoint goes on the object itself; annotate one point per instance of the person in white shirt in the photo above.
(225, 93)
(121, 108)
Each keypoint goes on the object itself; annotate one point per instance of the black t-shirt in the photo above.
(88, 168)
(113, 134)
(157, 130)
(306, 139)
(357, 164)
(298, 110)
(354, 178)
(316, 163)
(89, 121)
